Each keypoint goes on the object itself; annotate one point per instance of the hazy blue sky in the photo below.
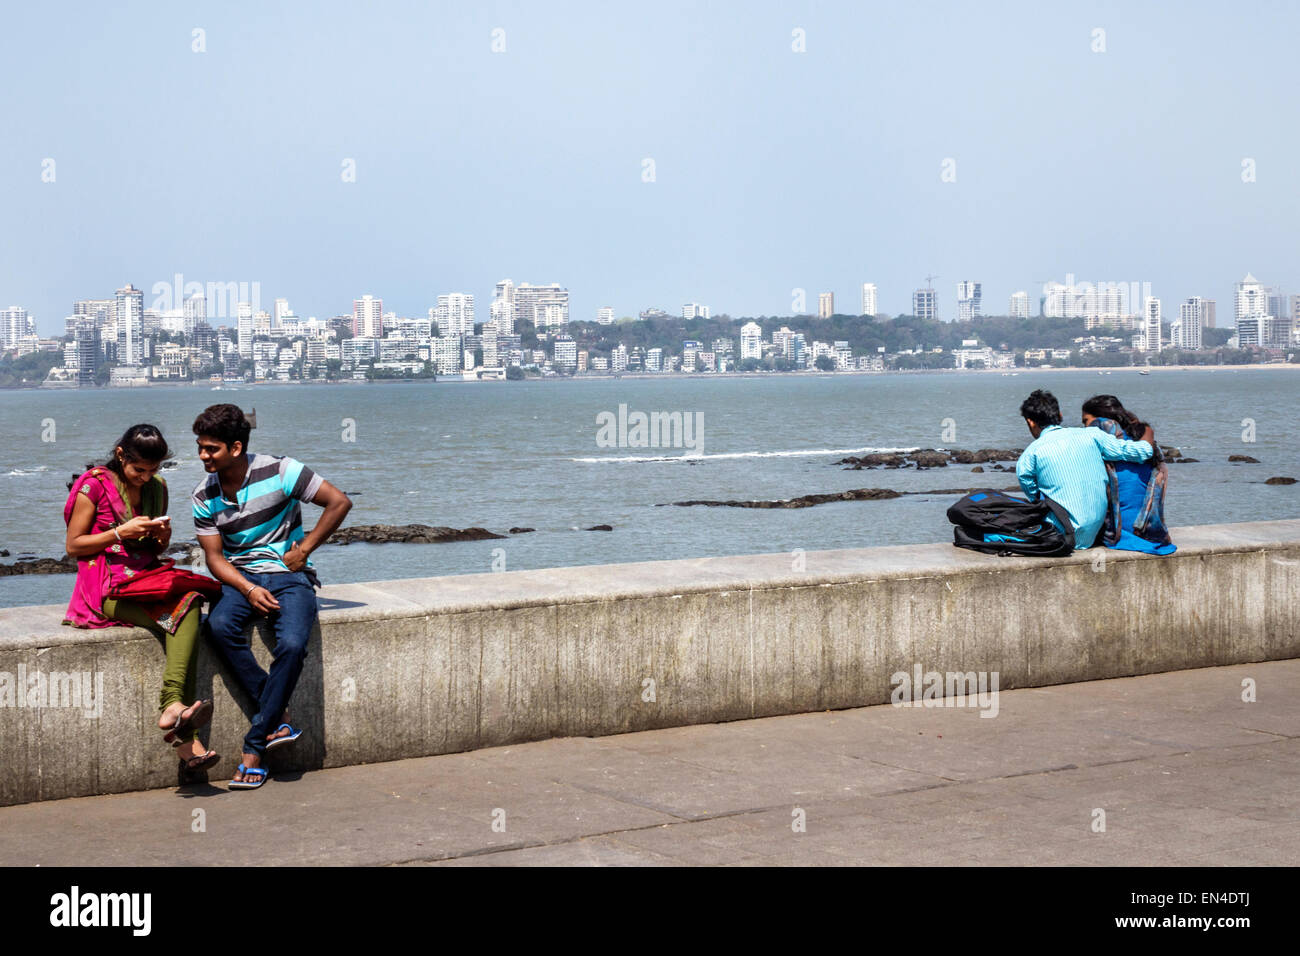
(774, 169)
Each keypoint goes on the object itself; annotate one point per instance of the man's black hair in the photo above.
(225, 423)
(1041, 408)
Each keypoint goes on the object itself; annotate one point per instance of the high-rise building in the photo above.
(605, 316)
(1101, 304)
(1252, 315)
(825, 305)
(1186, 331)
(244, 329)
(968, 300)
(502, 311)
(129, 313)
(868, 298)
(1151, 324)
(82, 357)
(455, 314)
(1019, 306)
(15, 324)
(693, 310)
(923, 304)
(281, 310)
(547, 307)
(1208, 318)
(368, 317)
(751, 341)
(489, 345)
(195, 311)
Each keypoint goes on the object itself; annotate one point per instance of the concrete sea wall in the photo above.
(425, 666)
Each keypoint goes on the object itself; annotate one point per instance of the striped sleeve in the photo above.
(298, 481)
(1027, 474)
(204, 523)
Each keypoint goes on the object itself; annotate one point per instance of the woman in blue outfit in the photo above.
(1136, 518)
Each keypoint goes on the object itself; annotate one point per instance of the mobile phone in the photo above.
(163, 519)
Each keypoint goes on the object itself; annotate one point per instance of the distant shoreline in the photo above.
(450, 379)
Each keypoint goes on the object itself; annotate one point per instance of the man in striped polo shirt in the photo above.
(1068, 465)
(248, 519)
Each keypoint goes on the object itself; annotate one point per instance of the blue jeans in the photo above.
(292, 625)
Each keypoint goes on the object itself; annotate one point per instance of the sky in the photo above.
(1007, 143)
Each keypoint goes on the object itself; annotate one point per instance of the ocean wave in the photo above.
(19, 472)
(803, 453)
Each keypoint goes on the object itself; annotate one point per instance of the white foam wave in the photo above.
(20, 472)
(802, 453)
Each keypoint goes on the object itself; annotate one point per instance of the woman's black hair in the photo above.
(1108, 406)
(138, 443)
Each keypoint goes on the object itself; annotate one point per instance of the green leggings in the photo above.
(178, 676)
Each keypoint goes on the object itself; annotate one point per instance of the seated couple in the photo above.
(248, 520)
(1109, 475)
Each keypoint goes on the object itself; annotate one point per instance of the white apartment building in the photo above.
(868, 298)
(15, 324)
(693, 310)
(455, 314)
(605, 316)
(368, 317)
(503, 307)
(566, 352)
(654, 360)
(1186, 331)
(751, 341)
(825, 305)
(1018, 308)
(969, 295)
(129, 314)
(1253, 320)
(547, 307)
(1151, 324)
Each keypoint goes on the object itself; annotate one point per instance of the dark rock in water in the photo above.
(977, 470)
(928, 458)
(600, 527)
(1171, 454)
(808, 501)
(805, 501)
(521, 530)
(169, 464)
(983, 456)
(1280, 480)
(873, 460)
(3, 553)
(1188, 461)
(66, 565)
(1244, 458)
(408, 534)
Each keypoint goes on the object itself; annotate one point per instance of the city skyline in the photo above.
(679, 170)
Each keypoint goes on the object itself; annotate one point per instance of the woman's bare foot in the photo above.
(167, 719)
(191, 749)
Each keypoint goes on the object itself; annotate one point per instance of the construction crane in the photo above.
(929, 281)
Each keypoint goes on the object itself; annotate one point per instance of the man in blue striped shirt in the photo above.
(1068, 465)
(248, 519)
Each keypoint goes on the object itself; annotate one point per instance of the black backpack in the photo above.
(995, 512)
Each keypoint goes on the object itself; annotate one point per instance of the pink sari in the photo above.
(121, 560)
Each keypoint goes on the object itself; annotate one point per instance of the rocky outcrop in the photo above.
(808, 501)
(923, 458)
(600, 527)
(521, 530)
(64, 565)
(1280, 480)
(408, 534)
(1244, 459)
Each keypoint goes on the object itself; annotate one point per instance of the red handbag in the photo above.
(164, 583)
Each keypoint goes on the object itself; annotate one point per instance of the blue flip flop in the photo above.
(288, 738)
(248, 784)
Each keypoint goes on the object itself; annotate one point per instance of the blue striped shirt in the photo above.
(265, 519)
(1068, 465)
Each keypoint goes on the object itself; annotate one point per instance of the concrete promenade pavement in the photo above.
(1185, 770)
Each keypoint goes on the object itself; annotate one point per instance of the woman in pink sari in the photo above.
(117, 528)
